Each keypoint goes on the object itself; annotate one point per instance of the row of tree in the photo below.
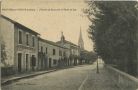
(88, 57)
(114, 31)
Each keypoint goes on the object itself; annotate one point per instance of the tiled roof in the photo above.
(52, 43)
(19, 24)
(68, 43)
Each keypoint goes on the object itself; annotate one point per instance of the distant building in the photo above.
(51, 54)
(21, 45)
(74, 50)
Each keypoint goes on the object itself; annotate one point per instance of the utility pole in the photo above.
(0, 36)
(0, 29)
(97, 71)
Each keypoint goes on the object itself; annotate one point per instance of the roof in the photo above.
(68, 43)
(19, 24)
(52, 43)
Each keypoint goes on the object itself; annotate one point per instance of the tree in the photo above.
(113, 30)
(3, 54)
(89, 57)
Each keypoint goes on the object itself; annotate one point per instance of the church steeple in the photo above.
(80, 42)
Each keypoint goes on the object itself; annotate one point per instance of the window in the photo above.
(20, 37)
(54, 61)
(41, 49)
(27, 39)
(60, 53)
(54, 52)
(33, 41)
(46, 50)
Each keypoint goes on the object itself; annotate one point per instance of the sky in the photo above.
(51, 17)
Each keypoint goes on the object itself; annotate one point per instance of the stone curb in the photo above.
(26, 76)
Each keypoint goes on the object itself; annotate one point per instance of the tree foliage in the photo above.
(114, 32)
(89, 57)
(3, 54)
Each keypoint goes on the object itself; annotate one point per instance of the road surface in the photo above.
(78, 78)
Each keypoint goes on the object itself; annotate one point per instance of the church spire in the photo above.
(80, 42)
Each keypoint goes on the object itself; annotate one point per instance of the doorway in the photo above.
(19, 62)
(27, 62)
(49, 62)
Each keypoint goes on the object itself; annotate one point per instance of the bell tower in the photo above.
(80, 42)
(62, 37)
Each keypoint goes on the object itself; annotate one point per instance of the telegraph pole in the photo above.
(0, 40)
(0, 29)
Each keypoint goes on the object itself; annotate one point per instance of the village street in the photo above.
(78, 78)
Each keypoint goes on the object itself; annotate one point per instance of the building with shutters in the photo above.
(74, 50)
(51, 54)
(20, 46)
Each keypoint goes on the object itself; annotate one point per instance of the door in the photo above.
(33, 62)
(19, 62)
(49, 62)
(45, 62)
(27, 62)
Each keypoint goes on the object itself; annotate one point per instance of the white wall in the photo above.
(7, 34)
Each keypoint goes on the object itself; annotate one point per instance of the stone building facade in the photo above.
(21, 45)
(51, 54)
(74, 50)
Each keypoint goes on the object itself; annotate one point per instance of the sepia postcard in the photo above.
(68, 45)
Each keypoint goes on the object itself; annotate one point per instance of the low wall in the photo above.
(123, 80)
(6, 71)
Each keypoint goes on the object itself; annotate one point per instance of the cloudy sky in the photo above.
(50, 17)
